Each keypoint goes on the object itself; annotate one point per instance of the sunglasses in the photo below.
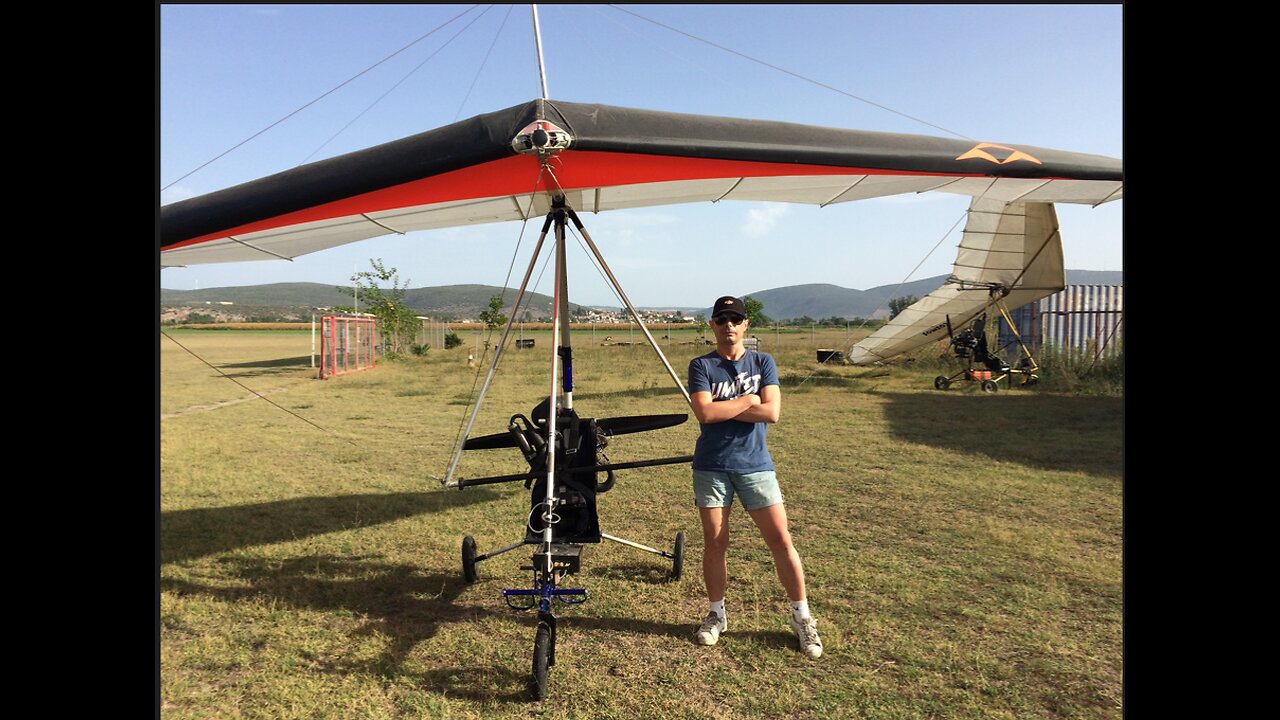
(727, 319)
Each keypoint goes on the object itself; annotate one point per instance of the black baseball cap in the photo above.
(728, 304)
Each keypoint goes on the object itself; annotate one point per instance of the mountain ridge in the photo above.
(815, 300)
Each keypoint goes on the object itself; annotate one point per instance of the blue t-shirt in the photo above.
(732, 445)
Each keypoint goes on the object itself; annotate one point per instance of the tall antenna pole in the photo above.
(537, 36)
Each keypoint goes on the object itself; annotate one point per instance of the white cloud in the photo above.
(176, 193)
(626, 218)
(761, 220)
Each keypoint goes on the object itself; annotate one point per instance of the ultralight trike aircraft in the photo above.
(553, 159)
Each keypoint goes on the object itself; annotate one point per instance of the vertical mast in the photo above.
(557, 317)
(537, 37)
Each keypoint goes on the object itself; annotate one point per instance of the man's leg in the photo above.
(772, 522)
(715, 550)
(715, 537)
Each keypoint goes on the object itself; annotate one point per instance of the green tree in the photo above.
(755, 312)
(897, 305)
(397, 323)
(493, 317)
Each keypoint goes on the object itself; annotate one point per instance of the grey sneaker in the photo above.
(709, 631)
(807, 632)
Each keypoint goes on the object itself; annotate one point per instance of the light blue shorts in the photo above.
(712, 488)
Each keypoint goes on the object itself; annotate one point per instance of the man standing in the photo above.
(735, 395)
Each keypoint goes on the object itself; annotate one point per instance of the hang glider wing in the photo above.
(1008, 251)
(496, 167)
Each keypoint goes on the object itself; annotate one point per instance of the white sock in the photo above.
(717, 607)
(800, 610)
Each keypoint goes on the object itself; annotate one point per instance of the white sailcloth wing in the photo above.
(1011, 250)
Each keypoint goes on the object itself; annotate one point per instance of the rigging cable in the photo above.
(572, 229)
(651, 42)
(794, 74)
(318, 99)
(483, 62)
(396, 85)
(255, 392)
(480, 365)
(596, 265)
(929, 254)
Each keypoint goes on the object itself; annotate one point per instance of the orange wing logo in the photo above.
(998, 154)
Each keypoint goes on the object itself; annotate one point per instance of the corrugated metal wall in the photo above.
(1082, 318)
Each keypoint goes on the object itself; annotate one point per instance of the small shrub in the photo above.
(1082, 373)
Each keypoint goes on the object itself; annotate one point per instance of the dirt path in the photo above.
(224, 403)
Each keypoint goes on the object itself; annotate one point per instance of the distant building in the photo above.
(1081, 318)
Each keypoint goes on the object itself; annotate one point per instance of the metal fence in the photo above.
(1084, 319)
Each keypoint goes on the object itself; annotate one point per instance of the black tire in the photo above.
(469, 559)
(541, 655)
(942, 382)
(677, 563)
(989, 387)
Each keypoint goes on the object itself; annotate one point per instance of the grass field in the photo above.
(963, 551)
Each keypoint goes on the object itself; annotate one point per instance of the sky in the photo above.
(1047, 76)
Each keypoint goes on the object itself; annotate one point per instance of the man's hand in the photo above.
(767, 406)
(708, 410)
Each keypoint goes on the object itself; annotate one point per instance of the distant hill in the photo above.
(457, 301)
(306, 295)
(818, 301)
(1095, 277)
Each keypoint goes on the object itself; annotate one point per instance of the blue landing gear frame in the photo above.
(549, 567)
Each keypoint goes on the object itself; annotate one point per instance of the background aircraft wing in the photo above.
(1014, 247)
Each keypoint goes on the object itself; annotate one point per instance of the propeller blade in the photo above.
(639, 423)
(610, 426)
(489, 442)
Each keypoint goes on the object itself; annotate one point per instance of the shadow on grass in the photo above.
(187, 534)
(266, 368)
(775, 639)
(1053, 432)
(476, 683)
(823, 380)
(301, 360)
(679, 631)
(657, 572)
(683, 631)
(400, 602)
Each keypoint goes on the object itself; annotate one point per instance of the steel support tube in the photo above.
(448, 480)
(636, 545)
(631, 308)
